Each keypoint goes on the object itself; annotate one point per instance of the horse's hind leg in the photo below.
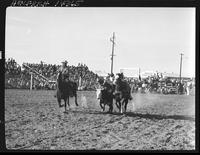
(59, 102)
(125, 106)
(111, 107)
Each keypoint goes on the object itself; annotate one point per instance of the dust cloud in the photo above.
(84, 101)
(140, 100)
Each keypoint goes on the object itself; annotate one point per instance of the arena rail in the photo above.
(33, 71)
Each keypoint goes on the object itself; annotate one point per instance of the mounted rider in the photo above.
(106, 83)
(123, 85)
(63, 70)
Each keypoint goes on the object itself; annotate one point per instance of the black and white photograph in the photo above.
(100, 78)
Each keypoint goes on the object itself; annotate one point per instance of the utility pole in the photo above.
(139, 74)
(31, 82)
(113, 44)
(139, 71)
(180, 67)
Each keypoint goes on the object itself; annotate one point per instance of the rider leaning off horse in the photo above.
(105, 84)
(109, 84)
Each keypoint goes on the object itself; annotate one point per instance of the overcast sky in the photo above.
(149, 38)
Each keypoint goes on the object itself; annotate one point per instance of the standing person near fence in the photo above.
(188, 87)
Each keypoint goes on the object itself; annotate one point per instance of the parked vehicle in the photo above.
(170, 89)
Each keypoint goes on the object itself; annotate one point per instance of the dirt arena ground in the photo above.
(33, 120)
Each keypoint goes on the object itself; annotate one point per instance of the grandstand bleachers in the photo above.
(44, 75)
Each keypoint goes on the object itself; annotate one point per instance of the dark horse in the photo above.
(66, 89)
(122, 93)
(106, 97)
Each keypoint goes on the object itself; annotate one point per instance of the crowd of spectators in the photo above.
(12, 67)
(19, 76)
(159, 84)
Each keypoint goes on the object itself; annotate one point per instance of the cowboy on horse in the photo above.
(105, 95)
(123, 86)
(63, 70)
(65, 87)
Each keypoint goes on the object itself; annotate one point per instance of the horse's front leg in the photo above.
(58, 99)
(102, 106)
(116, 103)
(101, 103)
(76, 99)
(111, 107)
(121, 107)
(65, 105)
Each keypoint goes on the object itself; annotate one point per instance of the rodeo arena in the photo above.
(63, 107)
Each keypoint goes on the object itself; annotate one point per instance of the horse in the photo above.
(105, 95)
(66, 89)
(122, 93)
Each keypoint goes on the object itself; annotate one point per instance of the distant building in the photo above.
(146, 74)
(130, 72)
(101, 73)
(170, 75)
(175, 76)
(135, 72)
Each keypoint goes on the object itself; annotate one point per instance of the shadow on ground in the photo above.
(140, 115)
